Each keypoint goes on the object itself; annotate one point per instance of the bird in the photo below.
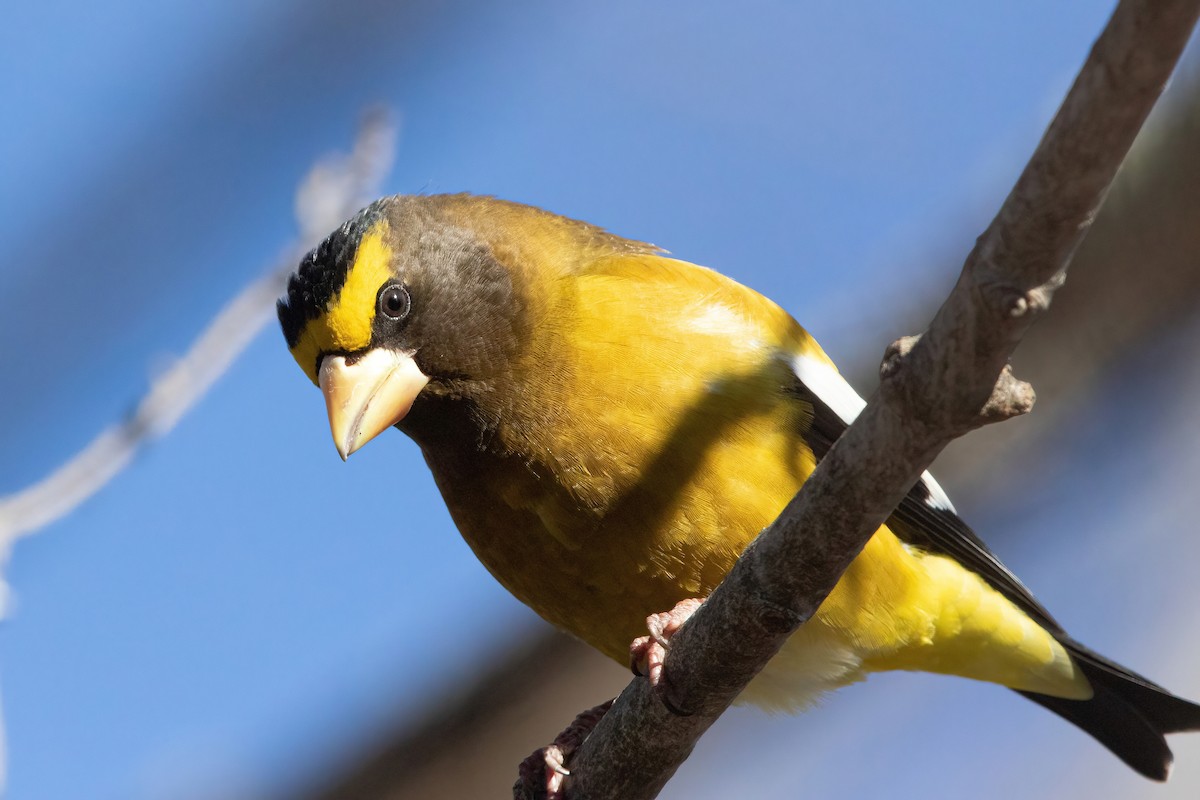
(610, 427)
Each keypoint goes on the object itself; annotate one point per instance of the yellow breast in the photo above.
(660, 438)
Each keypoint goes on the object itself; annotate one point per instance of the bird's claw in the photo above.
(648, 653)
(542, 774)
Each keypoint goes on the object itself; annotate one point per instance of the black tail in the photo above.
(1128, 714)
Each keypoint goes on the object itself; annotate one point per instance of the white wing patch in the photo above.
(937, 496)
(828, 384)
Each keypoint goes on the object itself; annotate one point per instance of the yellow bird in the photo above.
(610, 427)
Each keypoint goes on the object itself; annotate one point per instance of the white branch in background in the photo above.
(333, 190)
(335, 187)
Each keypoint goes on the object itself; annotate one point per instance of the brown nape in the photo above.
(512, 227)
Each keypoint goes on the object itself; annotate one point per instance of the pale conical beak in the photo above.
(366, 397)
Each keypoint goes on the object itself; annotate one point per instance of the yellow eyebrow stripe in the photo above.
(346, 324)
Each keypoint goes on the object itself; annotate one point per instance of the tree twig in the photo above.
(953, 379)
(333, 190)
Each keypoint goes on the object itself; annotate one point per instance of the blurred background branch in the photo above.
(333, 190)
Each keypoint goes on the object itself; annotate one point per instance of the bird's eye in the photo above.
(394, 302)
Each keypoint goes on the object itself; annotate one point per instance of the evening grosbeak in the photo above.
(610, 427)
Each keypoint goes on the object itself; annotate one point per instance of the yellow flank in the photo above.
(345, 326)
(974, 631)
(597, 547)
(898, 608)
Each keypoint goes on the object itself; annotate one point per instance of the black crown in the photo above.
(322, 273)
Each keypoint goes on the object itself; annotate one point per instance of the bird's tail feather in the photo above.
(1127, 714)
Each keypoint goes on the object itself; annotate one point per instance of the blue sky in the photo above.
(225, 616)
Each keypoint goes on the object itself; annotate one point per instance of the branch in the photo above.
(953, 379)
(333, 190)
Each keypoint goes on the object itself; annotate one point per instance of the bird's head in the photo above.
(412, 295)
(446, 295)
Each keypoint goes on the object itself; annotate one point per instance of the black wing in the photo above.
(1128, 713)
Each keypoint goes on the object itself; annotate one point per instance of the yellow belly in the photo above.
(895, 608)
(621, 498)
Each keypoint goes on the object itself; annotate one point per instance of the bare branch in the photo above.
(952, 380)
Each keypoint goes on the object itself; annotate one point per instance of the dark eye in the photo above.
(394, 302)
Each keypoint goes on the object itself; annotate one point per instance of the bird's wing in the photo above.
(925, 518)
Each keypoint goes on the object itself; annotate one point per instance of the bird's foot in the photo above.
(543, 772)
(647, 653)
